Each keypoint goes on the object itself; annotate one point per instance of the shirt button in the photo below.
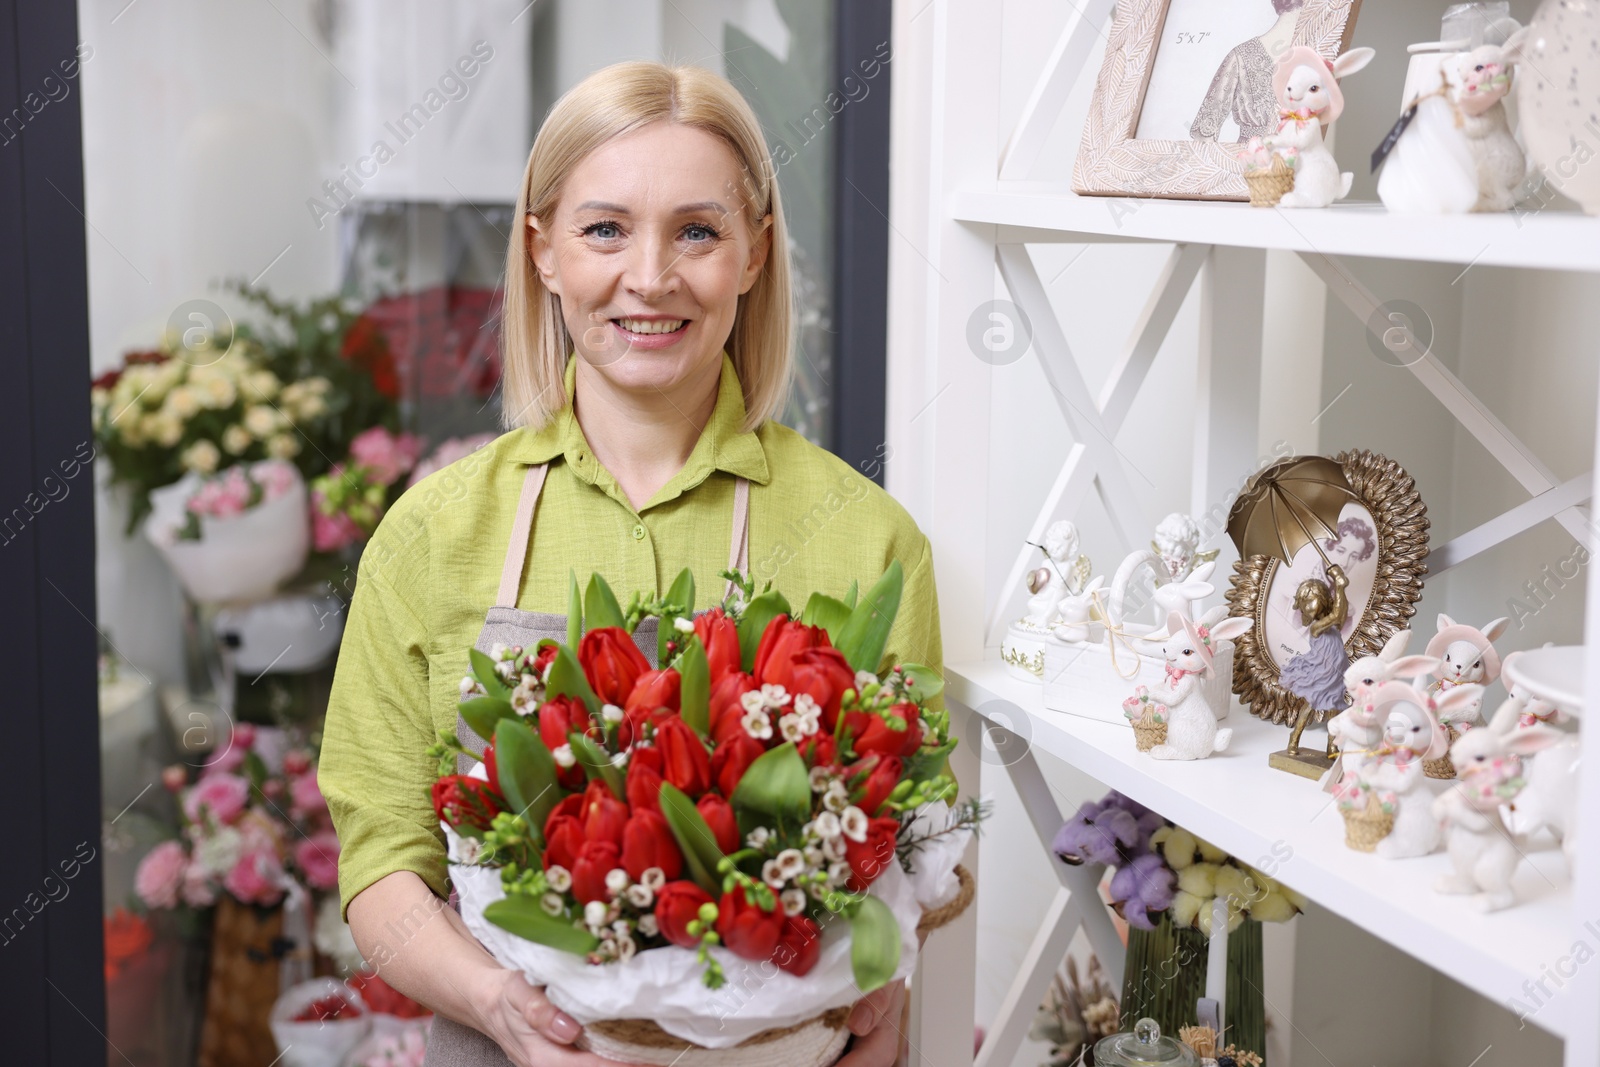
(638, 533)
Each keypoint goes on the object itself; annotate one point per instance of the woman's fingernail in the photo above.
(860, 1019)
(565, 1027)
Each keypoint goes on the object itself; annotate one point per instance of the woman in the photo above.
(1242, 87)
(647, 335)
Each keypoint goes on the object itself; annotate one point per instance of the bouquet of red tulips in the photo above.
(738, 840)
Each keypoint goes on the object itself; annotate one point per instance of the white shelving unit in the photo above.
(982, 209)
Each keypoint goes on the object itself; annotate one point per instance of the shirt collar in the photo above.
(723, 444)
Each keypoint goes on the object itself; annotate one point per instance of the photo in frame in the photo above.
(1379, 540)
(1184, 81)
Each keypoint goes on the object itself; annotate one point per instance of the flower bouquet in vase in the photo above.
(714, 859)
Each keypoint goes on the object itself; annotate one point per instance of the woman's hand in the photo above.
(532, 1031)
(875, 1022)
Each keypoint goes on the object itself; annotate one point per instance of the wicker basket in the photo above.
(1365, 827)
(1148, 735)
(1442, 767)
(813, 1043)
(1268, 186)
(242, 985)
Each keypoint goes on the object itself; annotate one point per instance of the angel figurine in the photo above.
(1316, 675)
(1064, 574)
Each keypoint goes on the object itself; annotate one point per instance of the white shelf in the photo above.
(1553, 240)
(1234, 801)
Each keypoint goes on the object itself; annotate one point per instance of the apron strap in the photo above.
(522, 527)
(739, 538)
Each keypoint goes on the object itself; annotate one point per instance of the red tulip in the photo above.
(563, 840)
(604, 816)
(819, 750)
(466, 802)
(684, 761)
(718, 814)
(677, 905)
(570, 805)
(596, 860)
(731, 759)
(644, 779)
(823, 674)
(559, 717)
(541, 660)
(727, 713)
(746, 929)
(647, 842)
(799, 945)
(782, 639)
(879, 776)
(720, 637)
(869, 734)
(871, 857)
(491, 769)
(611, 662)
(654, 689)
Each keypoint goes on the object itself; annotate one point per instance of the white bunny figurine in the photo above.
(1489, 774)
(1190, 650)
(1358, 729)
(1411, 734)
(1467, 657)
(1308, 96)
(1477, 83)
(1074, 611)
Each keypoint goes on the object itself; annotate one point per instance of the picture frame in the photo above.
(1385, 585)
(1113, 161)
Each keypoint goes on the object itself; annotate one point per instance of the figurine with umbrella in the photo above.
(1287, 506)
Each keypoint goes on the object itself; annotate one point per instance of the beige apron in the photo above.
(451, 1044)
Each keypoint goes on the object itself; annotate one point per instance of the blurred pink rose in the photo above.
(223, 795)
(275, 476)
(199, 891)
(244, 735)
(296, 761)
(318, 857)
(257, 878)
(160, 874)
(305, 798)
(447, 453)
(230, 759)
(329, 533)
(386, 455)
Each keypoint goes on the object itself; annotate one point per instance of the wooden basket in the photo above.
(241, 986)
(1363, 829)
(1442, 767)
(813, 1043)
(1147, 735)
(1268, 186)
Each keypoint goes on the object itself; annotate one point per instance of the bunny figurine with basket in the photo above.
(1359, 728)
(1190, 650)
(1466, 656)
(1411, 734)
(1308, 96)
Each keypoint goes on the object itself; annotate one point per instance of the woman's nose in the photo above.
(651, 269)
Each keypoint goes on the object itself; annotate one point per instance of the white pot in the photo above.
(236, 559)
(1558, 98)
(284, 634)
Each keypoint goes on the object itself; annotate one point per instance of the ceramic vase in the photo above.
(1558, 97)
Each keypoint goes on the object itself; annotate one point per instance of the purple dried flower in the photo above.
(1098, 833)
(1143, 887)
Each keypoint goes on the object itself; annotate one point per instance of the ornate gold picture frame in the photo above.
(1385, 583)
(1113, 161)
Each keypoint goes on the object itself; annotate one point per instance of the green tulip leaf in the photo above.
(574, 610)
(568, 680)
(864, 634)
(523, 916)
(825, 611)
(874, 944)
(694, 688)
(600, 607)
(850, 597)
(597, 764)
(681, 593)
(695, 839)
(483, 713)
(527, 772)
(926, 683)
(483, 670)
(753, 623)
(776, 787)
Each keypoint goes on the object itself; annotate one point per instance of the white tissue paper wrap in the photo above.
(666, 985)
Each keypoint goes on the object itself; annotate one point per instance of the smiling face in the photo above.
(649, 249)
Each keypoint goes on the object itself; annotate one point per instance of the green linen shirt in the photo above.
(432, 569)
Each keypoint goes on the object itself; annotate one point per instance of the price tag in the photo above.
(1391, 138)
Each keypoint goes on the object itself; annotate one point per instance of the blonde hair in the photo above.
(609, 103)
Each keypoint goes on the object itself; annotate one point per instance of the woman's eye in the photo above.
(708, 234)
(603, 230)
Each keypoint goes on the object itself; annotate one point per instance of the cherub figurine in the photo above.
(1316, 675)
(1064, 574)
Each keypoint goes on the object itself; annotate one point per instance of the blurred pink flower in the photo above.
(305, 799)
(275, 476)
(230, 759)
(318, 857)
(386, 455)
(447, 453)
(199, 891)
(257, 878)
(160, 875)
(223, 795)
